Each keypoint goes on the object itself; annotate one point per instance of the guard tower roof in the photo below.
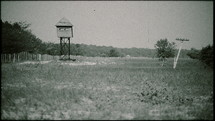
(64, 22)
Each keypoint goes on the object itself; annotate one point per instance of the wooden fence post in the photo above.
(9, 57)
(18, 57)
(14, 58)
(39, 57)
(4, 57)
(26, 57)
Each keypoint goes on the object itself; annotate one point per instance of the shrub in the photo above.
(114, 53)
(194, 53)
(206, 55)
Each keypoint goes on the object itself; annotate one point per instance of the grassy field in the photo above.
(107, 88)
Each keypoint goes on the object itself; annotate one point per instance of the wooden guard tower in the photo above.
(64, 32)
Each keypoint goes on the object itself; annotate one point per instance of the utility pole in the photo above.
(176, 60)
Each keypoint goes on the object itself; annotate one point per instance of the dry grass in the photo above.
(107, 88)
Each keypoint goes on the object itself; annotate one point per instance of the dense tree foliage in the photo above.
(194, 53)
(206, 55)
(165, 49)
(17, 38)
(114, 53)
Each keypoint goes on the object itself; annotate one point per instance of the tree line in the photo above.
(17, 37)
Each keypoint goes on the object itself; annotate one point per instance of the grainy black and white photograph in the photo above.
(107, 60)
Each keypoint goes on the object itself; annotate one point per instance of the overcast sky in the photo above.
(122, 24)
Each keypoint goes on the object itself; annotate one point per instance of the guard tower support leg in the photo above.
(69, 47)
(61, 53)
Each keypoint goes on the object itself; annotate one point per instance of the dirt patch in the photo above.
(87, 63)
(79, 63)
(34, 62)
